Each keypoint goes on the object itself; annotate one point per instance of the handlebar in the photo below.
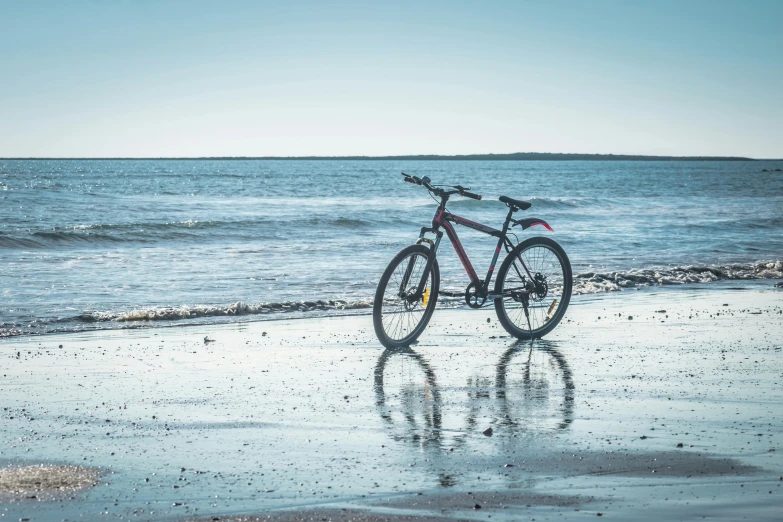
(425, 181)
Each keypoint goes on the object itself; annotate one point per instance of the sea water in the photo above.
(90, 244)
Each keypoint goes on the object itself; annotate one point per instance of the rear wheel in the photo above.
(399, 316)
(535, 284)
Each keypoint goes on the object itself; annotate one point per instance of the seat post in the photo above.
(508, 218)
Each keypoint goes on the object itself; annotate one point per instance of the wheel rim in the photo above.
(400, 315)
(546, 300)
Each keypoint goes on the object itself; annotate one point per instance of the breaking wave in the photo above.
(99, 320)
(594, 282)
(236, 309)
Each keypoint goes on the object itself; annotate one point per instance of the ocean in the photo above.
(89, 244)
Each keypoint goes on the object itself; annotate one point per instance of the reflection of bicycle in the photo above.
(408, 399)
(535, 387)
(533, 391)
(532, 289)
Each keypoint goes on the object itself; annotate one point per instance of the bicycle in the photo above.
(532, 288)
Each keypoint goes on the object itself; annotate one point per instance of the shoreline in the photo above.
(252, 317)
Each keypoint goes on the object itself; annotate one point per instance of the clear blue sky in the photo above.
(229, 78)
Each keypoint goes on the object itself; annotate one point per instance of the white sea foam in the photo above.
(235, 309)
(592, 282)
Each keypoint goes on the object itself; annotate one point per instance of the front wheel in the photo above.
(533, 288)
(400, 313)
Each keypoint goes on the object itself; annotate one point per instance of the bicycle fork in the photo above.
(427, 267)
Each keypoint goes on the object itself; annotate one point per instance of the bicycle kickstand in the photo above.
(525, 302)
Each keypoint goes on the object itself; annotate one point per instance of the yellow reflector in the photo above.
(424, 298)
(551, 307)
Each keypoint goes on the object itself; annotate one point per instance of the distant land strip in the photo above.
(516, 156)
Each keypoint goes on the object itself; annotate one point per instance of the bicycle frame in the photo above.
(445, 219)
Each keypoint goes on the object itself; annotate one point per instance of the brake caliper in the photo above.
(541, 286)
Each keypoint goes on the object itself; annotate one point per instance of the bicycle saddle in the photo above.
(524, 205)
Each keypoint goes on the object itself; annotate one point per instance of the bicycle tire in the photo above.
(555, 267)
(397, 320)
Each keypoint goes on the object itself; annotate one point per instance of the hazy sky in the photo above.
(228, 78)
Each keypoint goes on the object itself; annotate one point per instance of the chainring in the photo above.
(472, 297)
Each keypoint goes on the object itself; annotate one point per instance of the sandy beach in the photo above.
(661, 404)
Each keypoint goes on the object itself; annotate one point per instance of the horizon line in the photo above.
(530, 156)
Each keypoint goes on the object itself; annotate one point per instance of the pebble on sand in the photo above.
(488, 432)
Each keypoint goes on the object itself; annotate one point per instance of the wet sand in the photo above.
(653, 405)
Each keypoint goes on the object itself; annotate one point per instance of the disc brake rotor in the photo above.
(541, 287)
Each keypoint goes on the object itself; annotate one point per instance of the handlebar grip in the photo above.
(471, 195)
(411, 179)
